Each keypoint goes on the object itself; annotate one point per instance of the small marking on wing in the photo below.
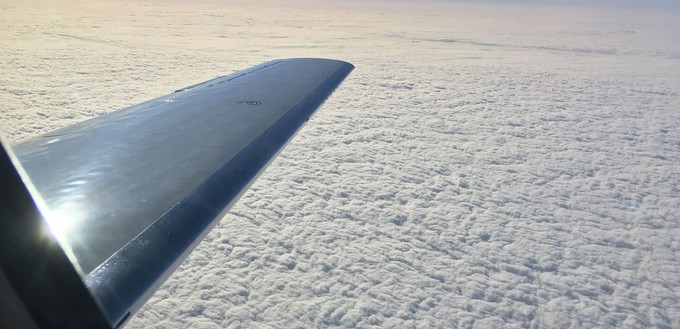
(251, 102)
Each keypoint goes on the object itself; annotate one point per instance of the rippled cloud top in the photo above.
(485, 165)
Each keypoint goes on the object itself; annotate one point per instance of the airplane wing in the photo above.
(128, 195)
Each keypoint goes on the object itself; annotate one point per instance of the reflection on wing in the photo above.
(129, 194)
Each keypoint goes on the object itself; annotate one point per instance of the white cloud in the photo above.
(480, 167)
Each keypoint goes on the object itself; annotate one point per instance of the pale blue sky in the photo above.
(657, 4)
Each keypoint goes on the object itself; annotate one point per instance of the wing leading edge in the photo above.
(131, 193)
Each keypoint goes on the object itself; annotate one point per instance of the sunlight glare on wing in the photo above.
(61, 221)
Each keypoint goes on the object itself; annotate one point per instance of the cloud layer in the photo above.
(484, 166)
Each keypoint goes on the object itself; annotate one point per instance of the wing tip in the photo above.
(341, 63)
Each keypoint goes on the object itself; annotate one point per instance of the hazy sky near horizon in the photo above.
(484, 166)
(660, 4)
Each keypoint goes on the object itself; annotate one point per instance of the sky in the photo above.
(655, 4)
(485, 165)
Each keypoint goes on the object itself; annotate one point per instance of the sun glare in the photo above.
(61, 223)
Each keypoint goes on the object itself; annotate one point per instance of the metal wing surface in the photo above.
(129, 194)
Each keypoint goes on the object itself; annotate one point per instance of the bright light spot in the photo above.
(60, 224)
